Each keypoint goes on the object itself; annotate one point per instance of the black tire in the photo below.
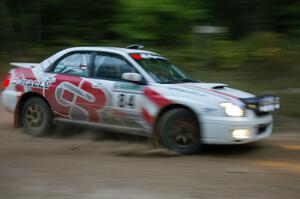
(178, 130)
(36, 117)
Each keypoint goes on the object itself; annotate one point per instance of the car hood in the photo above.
(218, 90)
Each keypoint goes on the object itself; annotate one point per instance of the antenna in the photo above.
(135, 46)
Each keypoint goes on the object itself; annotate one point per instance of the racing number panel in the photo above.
(123, 106)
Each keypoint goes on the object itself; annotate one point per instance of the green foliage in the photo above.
(228, 54)
(265, 46)
(159, 22)
(259, 52)
(290, 104)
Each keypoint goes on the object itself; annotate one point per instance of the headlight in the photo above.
(232, 110)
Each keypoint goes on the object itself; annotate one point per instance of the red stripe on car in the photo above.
(156, 98)
(149, 118)
(210, 90)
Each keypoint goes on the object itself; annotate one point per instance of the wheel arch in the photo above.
(20, 104)
(172, 107)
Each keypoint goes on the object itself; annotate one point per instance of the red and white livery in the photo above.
(133, 91)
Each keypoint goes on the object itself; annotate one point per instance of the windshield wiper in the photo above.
(179, 80)
(170, 82)
(187, 79)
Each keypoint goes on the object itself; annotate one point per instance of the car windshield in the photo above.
(160, 69)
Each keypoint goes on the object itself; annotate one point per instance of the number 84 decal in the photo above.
(126, 100)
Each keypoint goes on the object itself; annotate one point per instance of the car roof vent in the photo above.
(135, 46)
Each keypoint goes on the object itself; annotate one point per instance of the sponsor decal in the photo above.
(142, 56)
(263, 103)
(76, 91)
(75, 98)
(127, 87)
(66, 95)
(151, 56)
(32, 83)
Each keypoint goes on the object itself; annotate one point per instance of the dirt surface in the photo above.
(75, 163)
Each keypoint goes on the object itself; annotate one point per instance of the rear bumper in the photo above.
(9, 99)
(218, 130)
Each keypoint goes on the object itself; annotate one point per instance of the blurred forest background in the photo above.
(252, 45)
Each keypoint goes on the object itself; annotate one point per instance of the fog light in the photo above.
(241, 134)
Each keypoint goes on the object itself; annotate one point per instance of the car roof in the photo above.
(47, 62)
(107, 48)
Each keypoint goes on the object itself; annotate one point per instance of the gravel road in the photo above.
(75, 163)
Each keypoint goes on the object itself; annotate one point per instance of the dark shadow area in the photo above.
(231, 150)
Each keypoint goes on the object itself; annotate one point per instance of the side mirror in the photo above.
(133, 77)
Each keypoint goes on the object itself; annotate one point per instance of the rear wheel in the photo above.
(36, 117)
(178, 130)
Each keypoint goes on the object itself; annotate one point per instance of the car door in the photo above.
(122, 98)
(68, 94)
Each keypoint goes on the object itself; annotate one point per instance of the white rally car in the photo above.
(133, 91)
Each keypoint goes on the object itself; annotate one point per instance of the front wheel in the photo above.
(36, 117)
(178, 130)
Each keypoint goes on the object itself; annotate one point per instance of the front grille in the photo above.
(261, 114)
(257, 104)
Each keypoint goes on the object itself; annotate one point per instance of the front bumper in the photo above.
(218, 129)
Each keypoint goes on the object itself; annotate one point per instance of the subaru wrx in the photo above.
(133, 91)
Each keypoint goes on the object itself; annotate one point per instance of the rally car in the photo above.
(133, 91)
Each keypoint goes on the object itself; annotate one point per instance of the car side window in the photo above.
(110, 67)
(75, 64)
